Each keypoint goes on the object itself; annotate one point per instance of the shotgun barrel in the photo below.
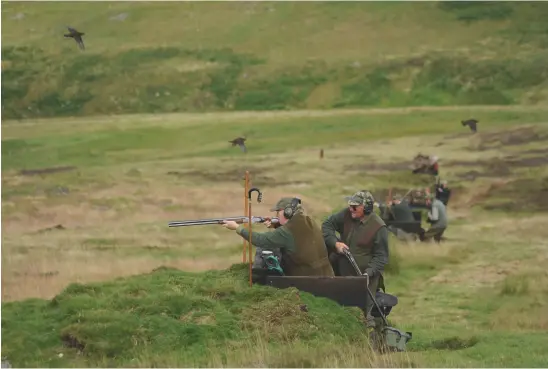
(240, 220)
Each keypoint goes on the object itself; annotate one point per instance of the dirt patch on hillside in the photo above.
(456, 136)
(519, 195)
(379, 166)
(536, 151)
(259, 177)
(498, 167)
(478, 276)
(519, 136)
(493, 168)
(232, 175)
(467, 198)
(225, 176)
(32, 172)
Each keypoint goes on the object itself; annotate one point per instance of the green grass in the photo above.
(270, 56)
(178, 140)
(184, 317)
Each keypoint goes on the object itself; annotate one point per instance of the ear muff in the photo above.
(369, 205)
(290, 210)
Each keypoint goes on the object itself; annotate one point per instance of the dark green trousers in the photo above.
(435, 233)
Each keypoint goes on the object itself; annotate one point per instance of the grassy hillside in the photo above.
(81, 248)
(150, 57)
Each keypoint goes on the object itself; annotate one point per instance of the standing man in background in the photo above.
(437, 217)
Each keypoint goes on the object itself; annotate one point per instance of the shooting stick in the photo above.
(359, 273)
(389, 199)
(408, 192)
(259, 199)
(246, 189)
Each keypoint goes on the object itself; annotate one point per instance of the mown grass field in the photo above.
(154, 57)
(477, 300)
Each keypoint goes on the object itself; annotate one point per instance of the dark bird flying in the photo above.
(472, 123)
(77, 36)
(240, 142)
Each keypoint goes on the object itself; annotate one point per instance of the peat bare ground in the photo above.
(498, 167)
(380, 166)
(510, 137)
(536, 151)
(456, 136)
(519, 195)
(31, 172)
(258, 177)
(519, 136)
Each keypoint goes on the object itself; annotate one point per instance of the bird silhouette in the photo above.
(472, 123)
(77, 36)
(240, 142)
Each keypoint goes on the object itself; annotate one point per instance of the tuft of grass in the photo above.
(454, 343)
(395, 259)
(515, 286)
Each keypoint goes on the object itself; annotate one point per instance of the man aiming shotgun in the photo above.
(269, 222)
(299, 238)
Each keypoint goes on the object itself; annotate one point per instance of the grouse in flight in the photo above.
(240, 142)
(472, 123)
(77, 36)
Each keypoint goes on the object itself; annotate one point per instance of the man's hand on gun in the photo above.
(269, 224)
(232, 225)
(341, 246)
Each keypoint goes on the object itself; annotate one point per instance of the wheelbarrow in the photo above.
(349, 291)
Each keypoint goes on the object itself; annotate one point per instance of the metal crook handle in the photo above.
(259, 196)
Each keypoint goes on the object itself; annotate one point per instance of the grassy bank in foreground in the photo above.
(170, 318)
(269, 56)
(173, 318)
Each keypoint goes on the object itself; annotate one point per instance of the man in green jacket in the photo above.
(365, 235)
(398, 210)
(299, 238)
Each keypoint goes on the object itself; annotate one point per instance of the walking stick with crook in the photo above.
(259, 199)
(246, 206)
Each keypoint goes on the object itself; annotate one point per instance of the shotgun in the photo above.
(239, 220)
